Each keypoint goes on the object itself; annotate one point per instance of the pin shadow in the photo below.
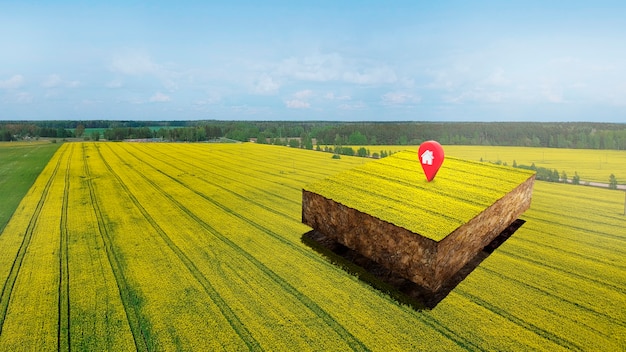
(392, 284)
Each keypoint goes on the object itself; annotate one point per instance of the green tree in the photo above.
(362, 152)
(356, 138)
(80, 130)
(294, 143)
(576, 179)
(347, 151)
(306, 141)
(261, 138)
(555, 176)
(612, 182)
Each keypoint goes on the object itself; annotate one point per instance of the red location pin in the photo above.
(430, 155)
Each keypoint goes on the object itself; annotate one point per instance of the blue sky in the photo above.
(324, 60)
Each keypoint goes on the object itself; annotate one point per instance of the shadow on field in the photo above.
(383, 279)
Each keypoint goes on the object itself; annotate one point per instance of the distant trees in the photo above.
(80, 130)
(544, 174)
(612, 182)
(294, 143)
(531, 134)
(356, 138)
(552, 175)
(576, 179)
(5, 135)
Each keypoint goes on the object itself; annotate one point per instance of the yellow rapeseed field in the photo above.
(124, 246)
(590, 165)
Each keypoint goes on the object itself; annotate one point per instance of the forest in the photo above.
(579, 135)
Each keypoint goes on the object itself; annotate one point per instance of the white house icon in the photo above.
(427, 157)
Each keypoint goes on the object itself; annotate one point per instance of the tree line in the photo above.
(553, 175)
(580, 135)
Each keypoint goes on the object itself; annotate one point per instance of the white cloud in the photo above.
(334, 67)
(116, 83)
(212, 98)
(16, 98)
(300, 99)
(445, 79)
(297, 104)
(359, 105)
(303, 94)
(138, 64)
(477, 94)
(497, 78)
(160, 98)
(134, 64)
(52, 81)
(319, 68)
(55, 81)
(375, 75)
(265, 85)
(23, 98)
(552, 94)
(332, 96)
(397, 98)
(14, 82)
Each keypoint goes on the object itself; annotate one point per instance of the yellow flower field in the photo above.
(591, 165)
(123, 246)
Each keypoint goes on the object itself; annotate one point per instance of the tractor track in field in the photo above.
(229, 210)
(559, 269)
(570, 253)
(518, 321)
(132, 314)
(559, 298)
(63, 337)
(350, 339)
(7, 289)
(218, 175)
(224, 308)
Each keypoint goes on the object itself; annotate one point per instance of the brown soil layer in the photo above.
(422, 260)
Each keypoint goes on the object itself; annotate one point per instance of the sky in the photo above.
(319, 60)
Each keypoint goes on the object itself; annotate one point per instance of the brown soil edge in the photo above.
(392, 284)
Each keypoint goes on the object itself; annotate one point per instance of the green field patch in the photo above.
(20, 164)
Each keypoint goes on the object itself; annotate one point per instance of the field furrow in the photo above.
(507, 314)
(98, 318)
(128, 298)
(217, 180)
(63, 337)
(159, 285)
(264, 270)
(226, 311)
